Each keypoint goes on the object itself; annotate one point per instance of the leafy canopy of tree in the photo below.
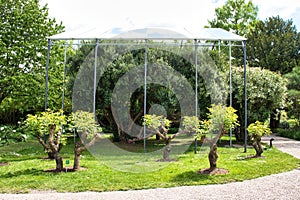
(23, 46)
(274, 44)
(266, 91)
(236, 16)
(117, 64)
(294, 92)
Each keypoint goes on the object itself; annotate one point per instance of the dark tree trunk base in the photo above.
(213, 171)
(65, 170)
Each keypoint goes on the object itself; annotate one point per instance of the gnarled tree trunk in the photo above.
(59, 162)
(257, 146)
(79, 148)
(213, 157)
(166, 156)
(55, 147)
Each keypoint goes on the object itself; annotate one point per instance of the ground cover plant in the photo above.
(23, 168)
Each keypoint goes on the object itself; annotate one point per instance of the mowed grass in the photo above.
(26, 169)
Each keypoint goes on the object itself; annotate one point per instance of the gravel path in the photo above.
(279, 186)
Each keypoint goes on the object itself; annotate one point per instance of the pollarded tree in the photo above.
(25, 27)
(220, 120)
(273, 44)
(49, 125)
(256, 131)
(89, 133)
(159, 125)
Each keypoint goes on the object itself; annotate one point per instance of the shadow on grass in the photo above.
(25, 172)
(190, 176)
(249, 157)
(19, 158)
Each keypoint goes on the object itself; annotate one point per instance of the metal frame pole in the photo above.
(64, 80)
(145, 91)
(230, 89)
(95, 77)
(196, 89)
(245, 95)
(47, 73)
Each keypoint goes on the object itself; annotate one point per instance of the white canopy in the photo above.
(151, 33)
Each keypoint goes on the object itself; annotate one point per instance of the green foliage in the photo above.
(273, 44)
(221, 118)
(237, 16)
(293, 123)
(155, 121)
(258, 129)
(119, 61)
(39, 124)
(191, 124)
(294, 91)
(266, 91)
(11, 134)
(84, 122)
(289, 133)
(24, 29)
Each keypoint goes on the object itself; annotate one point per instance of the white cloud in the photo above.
(140, 13)
(184, 13)
(283, 8)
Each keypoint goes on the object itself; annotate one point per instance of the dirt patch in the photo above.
(66, 169)
(213, 172)
(3, 164)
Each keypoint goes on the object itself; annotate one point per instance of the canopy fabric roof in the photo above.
(151, 33)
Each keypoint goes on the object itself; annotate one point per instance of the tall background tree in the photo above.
(274, 44)
(237, 16)
(156, 94)
(294, 92)
(25, 26)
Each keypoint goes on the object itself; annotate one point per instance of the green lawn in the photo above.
(25, 169)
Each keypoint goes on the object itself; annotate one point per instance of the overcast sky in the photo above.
(133, 13)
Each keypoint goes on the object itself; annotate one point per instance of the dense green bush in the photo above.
(12, 134)
(289, 133)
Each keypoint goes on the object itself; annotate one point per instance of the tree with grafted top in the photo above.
(48, 125)
(88, 131)
(220, 120)
(256, 131)
(159, 125)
